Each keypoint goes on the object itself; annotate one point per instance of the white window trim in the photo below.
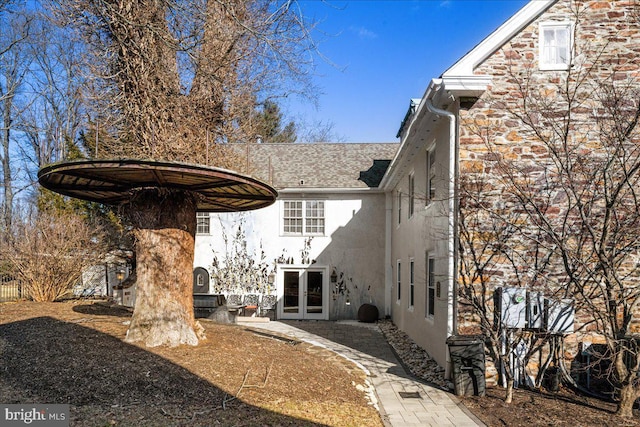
(202, 215)
(398, 281)
(412, 289)
(430, 282)
(557, 66)
(411, 183)
(431, 175)
(304, 218)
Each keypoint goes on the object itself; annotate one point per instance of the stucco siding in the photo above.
(352, 246)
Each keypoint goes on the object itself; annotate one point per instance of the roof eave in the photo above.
(465, 65)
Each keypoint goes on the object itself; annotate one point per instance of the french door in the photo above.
(303, 294)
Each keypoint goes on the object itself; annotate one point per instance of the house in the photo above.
(320, 248)
(380, 223)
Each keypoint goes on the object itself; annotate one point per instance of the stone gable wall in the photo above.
(607, 49)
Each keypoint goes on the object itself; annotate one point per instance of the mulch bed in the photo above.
(73, 353)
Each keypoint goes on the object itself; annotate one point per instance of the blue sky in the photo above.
(386, 52)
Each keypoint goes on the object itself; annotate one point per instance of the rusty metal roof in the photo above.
(112, 182)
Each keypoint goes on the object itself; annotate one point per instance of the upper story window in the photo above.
(303, 217)
(399, 203)
(431, 176)
(412, 189)
(203, 222)
(555, 45)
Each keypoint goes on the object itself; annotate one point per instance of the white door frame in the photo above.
(302, 312)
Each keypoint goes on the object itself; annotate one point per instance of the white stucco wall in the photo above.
(423, 235)
(353, 245)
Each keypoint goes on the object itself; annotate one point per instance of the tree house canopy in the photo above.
(113, 182)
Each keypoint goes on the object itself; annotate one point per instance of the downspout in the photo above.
(452, 325)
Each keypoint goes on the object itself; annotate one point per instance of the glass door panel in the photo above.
(291, 300)
(314, 295)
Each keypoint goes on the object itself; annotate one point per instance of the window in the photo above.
(202, 223)
(399, 203)
(431, 286)
(399, 283)
(411, 194)
(411, 275)
(303, 217)
(555, 45)
(314, 217)
(431, 176)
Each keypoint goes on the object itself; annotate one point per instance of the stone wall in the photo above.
(505, 147)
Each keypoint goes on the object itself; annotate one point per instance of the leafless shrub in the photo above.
(48, 253)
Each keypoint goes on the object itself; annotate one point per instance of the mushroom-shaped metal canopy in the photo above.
(113, 181)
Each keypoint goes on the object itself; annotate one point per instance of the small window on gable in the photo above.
(399, 205)
(555, 45)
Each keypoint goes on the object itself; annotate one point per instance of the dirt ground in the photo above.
(532, 408)
(73, 352)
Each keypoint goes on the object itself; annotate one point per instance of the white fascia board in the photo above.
(327, 191)
(472, 86)
(390, 177)
(504, 33)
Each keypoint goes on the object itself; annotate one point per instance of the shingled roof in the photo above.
(318, 165)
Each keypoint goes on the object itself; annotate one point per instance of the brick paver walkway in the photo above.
(402, 399)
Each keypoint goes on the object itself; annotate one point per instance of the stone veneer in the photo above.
(606, 38)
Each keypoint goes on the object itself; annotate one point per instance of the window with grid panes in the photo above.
(304, 217)
(314, 217)
(293, 217)
(202, 223)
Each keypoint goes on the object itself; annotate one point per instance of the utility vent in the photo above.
(410, 394)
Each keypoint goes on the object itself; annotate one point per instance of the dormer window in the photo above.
(555, 45)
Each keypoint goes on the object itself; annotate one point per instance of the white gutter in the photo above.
(451, 249)
(317, 190)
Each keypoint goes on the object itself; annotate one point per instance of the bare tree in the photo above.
(179, 81)
(14, 32)
(574, 199)
(54, 117)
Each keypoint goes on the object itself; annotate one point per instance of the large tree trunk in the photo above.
(165, 225)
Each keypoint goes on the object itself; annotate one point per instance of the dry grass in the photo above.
(73, 353)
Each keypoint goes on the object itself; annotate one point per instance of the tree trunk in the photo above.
(508, 396)
(628, 396)
(165, 225)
